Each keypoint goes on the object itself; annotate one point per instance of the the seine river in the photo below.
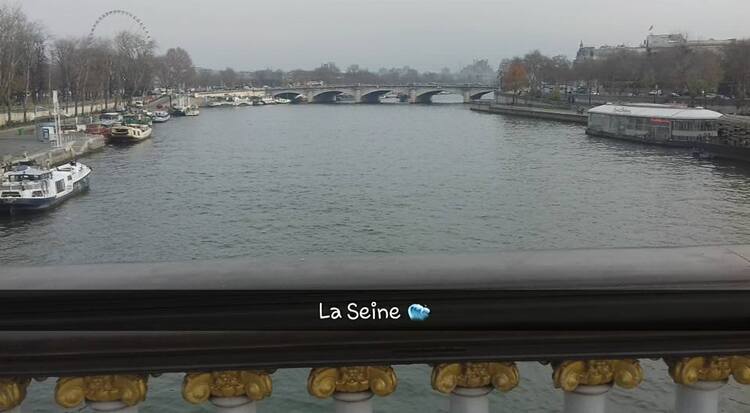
(384, 179)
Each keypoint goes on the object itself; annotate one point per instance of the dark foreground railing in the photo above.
(591, 313)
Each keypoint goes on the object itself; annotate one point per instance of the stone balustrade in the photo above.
(585, 384)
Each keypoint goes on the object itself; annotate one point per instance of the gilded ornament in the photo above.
(129, 389)
(12, 392)
(253, 384)
(323, 382)
(741, 369)
(447, 376)
(689, 370)
(570, 374)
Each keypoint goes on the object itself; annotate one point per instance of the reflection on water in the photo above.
(385, 179)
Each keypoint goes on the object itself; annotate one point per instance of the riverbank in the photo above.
(540, 113)
(26, 147)
(724, 106)
(88, 108)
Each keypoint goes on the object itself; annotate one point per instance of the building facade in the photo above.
(652, 43)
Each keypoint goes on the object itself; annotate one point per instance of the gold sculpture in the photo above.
(570, 374)
(129, 389)
(689, 370)
(447, 376)
(254, 384)
(323, 382)
(741, 369)
(12, 392)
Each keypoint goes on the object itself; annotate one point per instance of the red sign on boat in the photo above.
(659, 121)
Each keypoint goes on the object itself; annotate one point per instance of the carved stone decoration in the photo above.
(323, 382)
(690, 370)
(570, 374)
(253, 384)
(446, 377)
(12, 392)
(741, 369)
(129, 389)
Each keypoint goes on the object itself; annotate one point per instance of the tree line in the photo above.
(114, 70)
(684, 70)
(82, 69)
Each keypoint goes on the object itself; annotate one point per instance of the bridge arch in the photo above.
(478, 95)
(425, 96)
(325, 96)
(373, 96)
(292, 95)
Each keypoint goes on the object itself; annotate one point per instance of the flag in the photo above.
(651, 28)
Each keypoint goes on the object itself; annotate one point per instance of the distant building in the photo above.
(596, 53)
(657, 41)
(653, 43)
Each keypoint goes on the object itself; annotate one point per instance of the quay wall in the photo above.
(540, 113)
(586, 101)
(80, 146)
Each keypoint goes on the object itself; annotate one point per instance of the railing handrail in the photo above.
(56, 353)
(697, 268)
(640, 302)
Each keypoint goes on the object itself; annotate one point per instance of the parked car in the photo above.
(656, 92)
(675, 94)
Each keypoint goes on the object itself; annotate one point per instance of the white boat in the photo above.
(161, 116)
(28, 188)
(242, 102)
(268, 101)
(184, 107)
(109, 119)
(281, 101)
(129, 133)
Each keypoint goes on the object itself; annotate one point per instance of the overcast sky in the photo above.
(424, 34)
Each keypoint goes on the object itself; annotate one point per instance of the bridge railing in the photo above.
(102, 330)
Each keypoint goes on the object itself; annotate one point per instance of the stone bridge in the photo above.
(373, 93)
(361, 93)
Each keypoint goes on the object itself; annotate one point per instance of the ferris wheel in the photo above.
(132, 18)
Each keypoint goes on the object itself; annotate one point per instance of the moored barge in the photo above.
(697, 129)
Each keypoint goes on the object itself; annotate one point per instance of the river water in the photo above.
(384, 179)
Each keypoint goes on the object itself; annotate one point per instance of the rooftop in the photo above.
(656, 110)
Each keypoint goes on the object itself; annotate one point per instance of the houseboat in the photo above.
(161, 116)
(669, 125)
(703, 131)
(27, 187)
(129, 133)
(184, 107)
(110, 119)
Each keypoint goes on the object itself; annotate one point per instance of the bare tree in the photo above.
(737, 69)
(133, 63)
(20, 40)
(176, 68)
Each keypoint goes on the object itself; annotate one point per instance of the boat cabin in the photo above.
(25, 178)
(109, 119)
(654, 122)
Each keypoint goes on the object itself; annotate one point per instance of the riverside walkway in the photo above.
(17, 147)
